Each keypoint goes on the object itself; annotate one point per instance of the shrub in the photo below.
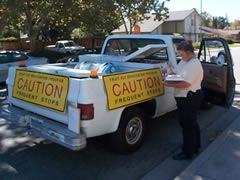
(229, 40)
(9, 39)
(196, 45)
(51, 55)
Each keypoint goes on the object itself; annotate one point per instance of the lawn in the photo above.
(234, 45)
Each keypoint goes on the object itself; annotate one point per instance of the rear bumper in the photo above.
(44, 127)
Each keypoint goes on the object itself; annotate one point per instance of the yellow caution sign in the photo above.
(124, 89)
(44, 89)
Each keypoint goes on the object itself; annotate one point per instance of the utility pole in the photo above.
(201, 20)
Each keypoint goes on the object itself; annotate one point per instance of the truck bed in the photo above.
(79, 85)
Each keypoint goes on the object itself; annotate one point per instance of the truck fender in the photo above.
(116, 122)
(148, 106)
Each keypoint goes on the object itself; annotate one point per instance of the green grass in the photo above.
(234, 45)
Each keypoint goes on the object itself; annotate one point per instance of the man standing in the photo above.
(188, 96)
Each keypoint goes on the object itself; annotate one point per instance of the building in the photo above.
(185, 22)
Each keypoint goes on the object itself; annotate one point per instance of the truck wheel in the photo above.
(129, 136)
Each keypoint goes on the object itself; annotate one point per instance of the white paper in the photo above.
(74, 119)
(174, 78)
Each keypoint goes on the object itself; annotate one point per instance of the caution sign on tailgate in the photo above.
(132, 87)
(43, 89)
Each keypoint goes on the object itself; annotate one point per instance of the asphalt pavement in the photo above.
(37, 159)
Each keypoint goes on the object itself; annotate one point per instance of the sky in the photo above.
(231, 8)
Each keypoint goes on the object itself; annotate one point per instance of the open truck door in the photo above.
(218, 82)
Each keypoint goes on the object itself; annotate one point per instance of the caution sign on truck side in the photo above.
(44, 89)
(124, 89)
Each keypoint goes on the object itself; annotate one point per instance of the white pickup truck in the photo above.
(65, 46)
(112, 93)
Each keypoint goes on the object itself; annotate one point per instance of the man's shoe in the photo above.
(197, 151)
(182, 156)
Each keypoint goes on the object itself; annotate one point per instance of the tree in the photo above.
(56, 19)
(4, 15)
(98, 17)
(220, 22)
(41, 12)
(236, 24)
(217, 22)
(36, 15)
(207, 19)
(50, 17)
(136, 11)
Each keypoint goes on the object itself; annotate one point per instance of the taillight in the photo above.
(86, 111)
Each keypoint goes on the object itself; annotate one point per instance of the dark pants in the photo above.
(188, 108)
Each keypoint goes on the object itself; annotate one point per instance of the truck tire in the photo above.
(129, 135)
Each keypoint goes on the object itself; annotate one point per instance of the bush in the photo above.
(196, 45)
(229, 40)
(9, 39)
(51, 55)
(58, 57)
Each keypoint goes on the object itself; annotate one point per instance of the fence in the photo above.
(23, 46)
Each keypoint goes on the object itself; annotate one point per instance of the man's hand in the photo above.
(170, 66)
(165, 83)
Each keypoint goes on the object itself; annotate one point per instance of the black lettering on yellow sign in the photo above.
(44, 89)
(128, 88)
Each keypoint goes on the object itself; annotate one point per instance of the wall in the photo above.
(23, 46)
(191, 27)
(173, 27)
(158, 30)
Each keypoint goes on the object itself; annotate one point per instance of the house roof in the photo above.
(149, 25)
(146, 25)
(180, 15)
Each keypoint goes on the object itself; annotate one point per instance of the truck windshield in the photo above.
(124, 47)
(70, 44)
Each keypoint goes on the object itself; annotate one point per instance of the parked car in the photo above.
(65, 46)
(12, 58)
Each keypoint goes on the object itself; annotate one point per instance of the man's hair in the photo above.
(185, 46)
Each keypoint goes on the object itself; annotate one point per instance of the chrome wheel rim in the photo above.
(133, 130)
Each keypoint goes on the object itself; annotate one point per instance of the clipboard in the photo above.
(174, 77)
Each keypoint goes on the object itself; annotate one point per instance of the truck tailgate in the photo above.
(47, 97)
